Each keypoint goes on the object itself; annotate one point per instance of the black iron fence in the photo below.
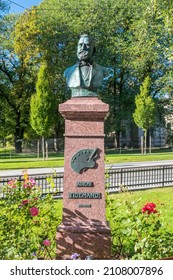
(134, 178)
(47, 183)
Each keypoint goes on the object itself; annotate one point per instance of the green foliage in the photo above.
(16, 85)
(136, 234)
(43, 104)
(144, 115)
(121, 29)
(27, 221)
(133, 38)
(145, 112)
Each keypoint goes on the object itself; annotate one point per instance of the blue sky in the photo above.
(24, 3)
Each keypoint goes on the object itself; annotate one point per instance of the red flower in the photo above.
(34, 211)
(149, 208)
(46, 242)
(24, 202)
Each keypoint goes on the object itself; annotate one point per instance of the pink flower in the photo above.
(46, 242)
(149, 208)
(32, 182)
(29, 183)
(12, 183)
(34, 211)
(26, 201)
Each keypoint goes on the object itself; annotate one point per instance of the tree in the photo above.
(52, 35)
(17, 83)
(131, 39)
(43, 105)
(144, 115)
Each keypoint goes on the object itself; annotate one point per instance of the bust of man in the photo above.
(86, 76)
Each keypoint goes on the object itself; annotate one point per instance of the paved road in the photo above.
(140, 164)
(36, 171)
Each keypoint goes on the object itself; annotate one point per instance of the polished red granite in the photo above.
(84, 229)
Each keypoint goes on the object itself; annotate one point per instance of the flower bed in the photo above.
(138, 233)
(28, 225)
(27, 222)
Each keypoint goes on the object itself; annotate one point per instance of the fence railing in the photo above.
(48, 184)
(134, 178)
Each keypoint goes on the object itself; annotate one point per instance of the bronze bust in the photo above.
(86, 76)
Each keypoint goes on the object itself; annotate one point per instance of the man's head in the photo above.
(86, 48)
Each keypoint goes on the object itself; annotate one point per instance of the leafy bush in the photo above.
(28, 225)
(138, 233)
(28, 222)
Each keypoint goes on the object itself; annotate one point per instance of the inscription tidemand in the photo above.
(85, 184)
(84, 195)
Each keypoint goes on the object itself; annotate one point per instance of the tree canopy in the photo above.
(43, 105)
(144, 114)
(133, 38)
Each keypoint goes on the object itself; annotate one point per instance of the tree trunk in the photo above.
(150, 144)
(117, 139)
(46, 144)
(55, 144)
(38, 149)
(145, 141)
(18, 145)
(43, 147)
(18, 134)
(59, 131)
(142, 145)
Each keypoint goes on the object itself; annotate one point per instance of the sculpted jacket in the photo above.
(74, 80)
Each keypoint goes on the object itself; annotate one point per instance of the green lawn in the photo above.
(26, 161)
(122, 158)
(162, 197)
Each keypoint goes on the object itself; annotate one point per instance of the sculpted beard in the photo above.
(83, 54)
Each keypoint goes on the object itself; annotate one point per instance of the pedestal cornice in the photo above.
(85, 108)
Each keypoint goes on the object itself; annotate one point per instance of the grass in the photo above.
(122, 158)
(26, 161)
(162, 197)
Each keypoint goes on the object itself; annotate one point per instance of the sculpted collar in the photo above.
(84, 63)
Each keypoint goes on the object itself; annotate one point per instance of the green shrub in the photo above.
(138, 233)
(27, 222)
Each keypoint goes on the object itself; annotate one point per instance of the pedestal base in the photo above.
(87, 240)
(84, 229)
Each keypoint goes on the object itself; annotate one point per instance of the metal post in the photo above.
(142, 145)
(163, 175)
(150, 145)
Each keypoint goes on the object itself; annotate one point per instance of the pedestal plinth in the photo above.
(84, 229)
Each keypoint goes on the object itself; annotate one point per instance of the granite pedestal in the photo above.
(84, 229)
